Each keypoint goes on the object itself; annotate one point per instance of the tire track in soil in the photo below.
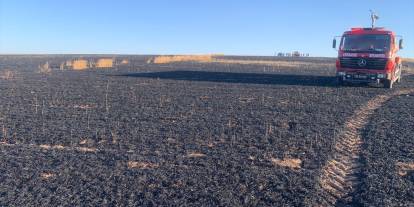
(340, 177)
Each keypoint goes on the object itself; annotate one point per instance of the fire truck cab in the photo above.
(369, 55)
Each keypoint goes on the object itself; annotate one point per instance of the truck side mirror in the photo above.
(334, 43)
(401, 44)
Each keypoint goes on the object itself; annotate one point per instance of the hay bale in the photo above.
(80, 64)
(105, 63)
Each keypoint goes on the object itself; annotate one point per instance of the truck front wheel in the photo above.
(388, 84)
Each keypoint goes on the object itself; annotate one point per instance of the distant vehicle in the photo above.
(369, 55)
(296, 54)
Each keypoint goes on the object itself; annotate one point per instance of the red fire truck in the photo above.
(369, 55)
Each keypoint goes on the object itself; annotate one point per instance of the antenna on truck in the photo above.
(374, 18)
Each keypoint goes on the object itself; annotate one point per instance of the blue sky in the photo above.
(233, 27)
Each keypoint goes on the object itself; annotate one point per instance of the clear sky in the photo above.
(233, 27)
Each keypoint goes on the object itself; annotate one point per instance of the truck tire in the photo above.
(388, 84)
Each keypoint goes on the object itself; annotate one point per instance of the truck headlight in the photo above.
(380, 75)
(341, 73)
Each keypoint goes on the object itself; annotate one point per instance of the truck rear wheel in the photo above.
(388, 84)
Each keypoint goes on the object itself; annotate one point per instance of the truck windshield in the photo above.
(366, 43)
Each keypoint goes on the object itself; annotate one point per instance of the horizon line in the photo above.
(166, 54)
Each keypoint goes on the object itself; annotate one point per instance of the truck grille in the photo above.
(371, 63)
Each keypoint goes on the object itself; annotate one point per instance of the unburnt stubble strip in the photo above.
(403, 168)
(341, 175)
(195, 154)
(141, 165)
(52, 147)
(47, 175)
(287, 162)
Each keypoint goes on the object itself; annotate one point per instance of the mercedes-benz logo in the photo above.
(362, 62)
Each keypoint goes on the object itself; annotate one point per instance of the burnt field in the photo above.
(197, 134)
(389, 150)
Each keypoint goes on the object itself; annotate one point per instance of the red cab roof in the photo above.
(360, 30)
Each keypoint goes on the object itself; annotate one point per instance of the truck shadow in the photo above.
(240, 78)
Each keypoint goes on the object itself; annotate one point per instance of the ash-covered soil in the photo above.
(389, 146)
(186, 134)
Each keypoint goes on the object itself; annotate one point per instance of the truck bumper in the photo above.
(362, 78)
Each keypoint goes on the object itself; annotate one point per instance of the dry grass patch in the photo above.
(204, 98)
(61, 147)
(141, 165)
(4, 143)
(210, 144)
(287, 162)
(408, 62)
(251, 158)
(86, 141)
(86, 149)
(411, 60)
(403, 168)
(84, 106)
(181, 58)
(273, 63)
(246, 99)
(195, 154)
(50, 147)
(214, 59)
(45, 146)
(47, 175)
